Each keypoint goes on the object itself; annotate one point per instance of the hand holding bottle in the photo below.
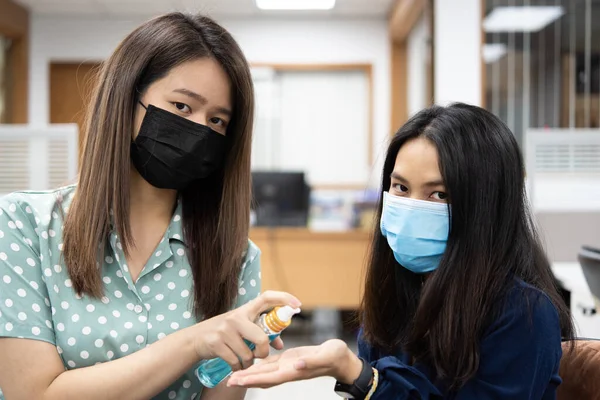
(223, 336)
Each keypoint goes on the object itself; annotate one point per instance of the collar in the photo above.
(175, 229)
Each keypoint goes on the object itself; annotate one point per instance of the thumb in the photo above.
(270, 299)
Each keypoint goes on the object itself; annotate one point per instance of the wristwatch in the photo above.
(359, 389)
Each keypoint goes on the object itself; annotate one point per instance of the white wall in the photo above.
(263, 41)
(296, 130)
(417, 49)
(457, 31)
(322, 126)
(576, 193)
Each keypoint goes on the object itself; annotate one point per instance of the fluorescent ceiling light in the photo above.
(521, 19)
(492, 52)
(295, 4)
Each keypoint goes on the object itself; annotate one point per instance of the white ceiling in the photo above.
(216, 8)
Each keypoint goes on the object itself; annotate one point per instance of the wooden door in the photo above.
(71, 85)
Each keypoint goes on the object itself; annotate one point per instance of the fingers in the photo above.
(277, 344)
(254, 334)
(269, 364)
(244, 355)
(266, 379)
(228, 355)
(268, 300)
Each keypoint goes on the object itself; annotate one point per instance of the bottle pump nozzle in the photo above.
(280, 318)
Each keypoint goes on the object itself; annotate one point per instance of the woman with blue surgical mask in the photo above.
(459, 301)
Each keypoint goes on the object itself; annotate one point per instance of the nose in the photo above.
(419, 196)
(199, 117)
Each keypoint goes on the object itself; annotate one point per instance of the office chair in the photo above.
(589, 258)
(580, 364)
(580, 370)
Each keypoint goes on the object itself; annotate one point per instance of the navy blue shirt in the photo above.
(519, 357)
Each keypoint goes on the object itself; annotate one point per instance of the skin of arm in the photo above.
(138, 376)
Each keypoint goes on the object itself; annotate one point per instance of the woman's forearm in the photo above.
(138, 376)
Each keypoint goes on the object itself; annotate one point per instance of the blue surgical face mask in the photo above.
(416, 230)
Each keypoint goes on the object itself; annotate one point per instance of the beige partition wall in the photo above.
(404, 18)
(564, 232)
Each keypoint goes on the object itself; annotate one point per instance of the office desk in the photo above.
(571, 277)
(323, 269)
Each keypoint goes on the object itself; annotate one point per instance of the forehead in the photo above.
(204, 76)
(418, 158)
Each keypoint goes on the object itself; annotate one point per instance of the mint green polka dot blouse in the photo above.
(37, 300)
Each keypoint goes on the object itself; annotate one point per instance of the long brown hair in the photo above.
(492, 241)
(216, 211)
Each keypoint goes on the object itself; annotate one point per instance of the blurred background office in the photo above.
(334, 79)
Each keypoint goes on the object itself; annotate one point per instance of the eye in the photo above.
(182, 107)
(439, 195)
(400, 188)
(218, 121)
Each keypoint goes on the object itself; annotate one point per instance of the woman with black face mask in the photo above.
(118, 286)
(459, 300)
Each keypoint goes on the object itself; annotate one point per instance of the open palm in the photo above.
(292, 365)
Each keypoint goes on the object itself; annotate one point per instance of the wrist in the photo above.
(193, 341)
(348, 369)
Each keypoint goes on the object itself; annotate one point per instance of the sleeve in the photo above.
(397, 379)
(250, 280)
(24, 305)
(520, 355)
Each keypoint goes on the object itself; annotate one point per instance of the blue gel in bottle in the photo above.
(212, 372)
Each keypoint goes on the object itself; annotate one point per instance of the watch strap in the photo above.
(360, 388)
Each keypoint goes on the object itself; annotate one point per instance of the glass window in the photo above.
(543, 63)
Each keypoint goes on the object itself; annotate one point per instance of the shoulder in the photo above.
(36, 205)
(527, 311)
(530, 299)
(250, 270)
(27, 217)
(251, 254)
(249, 284)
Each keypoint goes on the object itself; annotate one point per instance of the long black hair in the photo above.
(492, 240)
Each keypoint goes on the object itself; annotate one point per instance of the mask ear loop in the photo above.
(138, 100)
(145, 108)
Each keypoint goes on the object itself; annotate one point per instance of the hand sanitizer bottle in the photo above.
(212, 372)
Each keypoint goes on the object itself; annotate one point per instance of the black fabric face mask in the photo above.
(170, 152)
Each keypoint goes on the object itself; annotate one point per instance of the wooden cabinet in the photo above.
(323, 269)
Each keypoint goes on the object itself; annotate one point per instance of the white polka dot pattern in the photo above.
(39, 301)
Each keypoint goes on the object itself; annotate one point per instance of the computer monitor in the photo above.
(280, 198)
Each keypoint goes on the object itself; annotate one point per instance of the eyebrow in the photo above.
(202, 100)
(400, 178)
